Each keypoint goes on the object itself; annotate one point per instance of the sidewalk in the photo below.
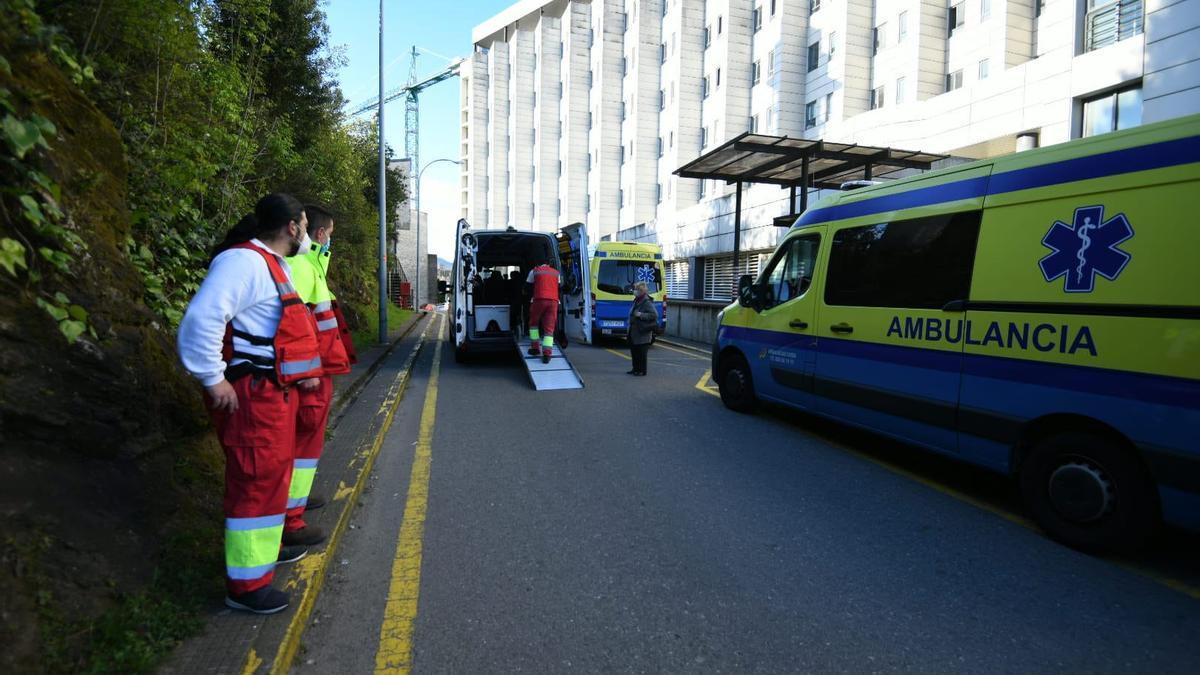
(240, 642)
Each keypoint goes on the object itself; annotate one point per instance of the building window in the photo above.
(755, 72)
(671, 139)
(660, 147)
(754, 124)
(621, 197)
(720, 24)
(832, 43)
(704, 87)
(589, 80)
(810, 114)
(707, 37)
(624, 18)
(703, 138)
(623, 104)
(772, 7)
(662, 53)
(718, 77)
(880, 38)
(1112, 111)
(589, 120)
(902, 22)
(922, 263)
(658, 193)
(591, 162)
(954, 80)
(770, 119)
(591, 37)
(828, 106)
(985, 9)
(770, 63)
(983, 69)
(1110, 21)
(877, 98)
(899, 90)
(756, 19)
(814, 56)
(955, 16)
(813, 5)
(624, 66)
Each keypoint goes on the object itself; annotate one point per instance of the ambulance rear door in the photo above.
(576, 268)
(464, 263)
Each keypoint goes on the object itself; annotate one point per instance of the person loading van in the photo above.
(543, 311)
(248, 338)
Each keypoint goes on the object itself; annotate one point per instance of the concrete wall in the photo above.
(694, 320)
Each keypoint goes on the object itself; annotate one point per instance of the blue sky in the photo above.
(443, 26)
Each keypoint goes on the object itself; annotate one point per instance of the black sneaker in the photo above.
(265, 600)
(314, 502)
(309, 535)
(534, 351)
(545, 357)
(290, 554)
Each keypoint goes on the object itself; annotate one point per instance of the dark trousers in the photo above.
(639, 357)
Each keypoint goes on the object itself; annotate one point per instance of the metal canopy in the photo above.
(784, 161)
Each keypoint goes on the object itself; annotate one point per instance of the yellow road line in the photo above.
(620, 354)
(702, 384)
(694, 355)
(315, 573)
(400, 612)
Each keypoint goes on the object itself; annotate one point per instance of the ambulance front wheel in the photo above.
(736, 384)
(1090, 493)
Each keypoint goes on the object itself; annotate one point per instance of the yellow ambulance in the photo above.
(615, 267)
(1036, 314)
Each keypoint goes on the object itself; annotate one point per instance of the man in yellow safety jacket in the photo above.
(309, 269)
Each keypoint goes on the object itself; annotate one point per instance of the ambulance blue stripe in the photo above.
(1159, 389)
(1129, 160)
(1142, 158)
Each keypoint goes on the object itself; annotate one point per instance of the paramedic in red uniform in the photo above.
(543, 310)
(251, 341)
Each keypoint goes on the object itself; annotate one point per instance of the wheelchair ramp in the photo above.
(558, 374)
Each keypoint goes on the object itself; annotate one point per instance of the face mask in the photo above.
(325, 246)
(305, 243)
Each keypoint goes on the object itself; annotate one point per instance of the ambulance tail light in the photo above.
(593, 306)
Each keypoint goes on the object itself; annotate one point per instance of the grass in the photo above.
(367, 335)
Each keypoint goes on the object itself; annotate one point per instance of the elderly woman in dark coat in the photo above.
(643, 319)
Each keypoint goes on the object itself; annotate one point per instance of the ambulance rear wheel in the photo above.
(1090, 493)
(736, 384)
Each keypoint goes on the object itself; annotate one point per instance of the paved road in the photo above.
(639, 526)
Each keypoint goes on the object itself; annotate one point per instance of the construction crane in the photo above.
(410, 93)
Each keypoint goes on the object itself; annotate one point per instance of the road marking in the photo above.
(290, 643)
(620, 354)
(400, 612)
(685, 352)
(702, 384)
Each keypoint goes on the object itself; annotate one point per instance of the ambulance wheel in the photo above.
(1090, 493)
(736, 384)
(460, 355)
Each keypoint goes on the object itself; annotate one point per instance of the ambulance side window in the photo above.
(922, 263)
(790, 274)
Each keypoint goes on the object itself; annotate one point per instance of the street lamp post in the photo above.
(417, 288)
(383, 290)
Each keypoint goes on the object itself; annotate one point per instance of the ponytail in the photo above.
(271, 214)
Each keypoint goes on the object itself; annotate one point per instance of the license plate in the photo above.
(613, 324)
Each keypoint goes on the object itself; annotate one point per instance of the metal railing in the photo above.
(1112, 23)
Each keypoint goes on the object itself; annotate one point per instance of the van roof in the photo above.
(1152, 146)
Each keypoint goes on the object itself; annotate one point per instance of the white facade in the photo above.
(411, 263)
(580, 110)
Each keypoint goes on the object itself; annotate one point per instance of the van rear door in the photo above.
(464, 258)
(576, 282)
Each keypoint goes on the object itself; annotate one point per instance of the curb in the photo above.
(680, 345)
(290, 644)
(350, 394)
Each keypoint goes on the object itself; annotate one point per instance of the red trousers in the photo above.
(258, 439)
(543, 316)
(310, 441)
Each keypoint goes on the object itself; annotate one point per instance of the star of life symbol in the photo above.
(1084, 248)
(645, 273)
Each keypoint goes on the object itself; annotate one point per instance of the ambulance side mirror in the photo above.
(746, 292)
